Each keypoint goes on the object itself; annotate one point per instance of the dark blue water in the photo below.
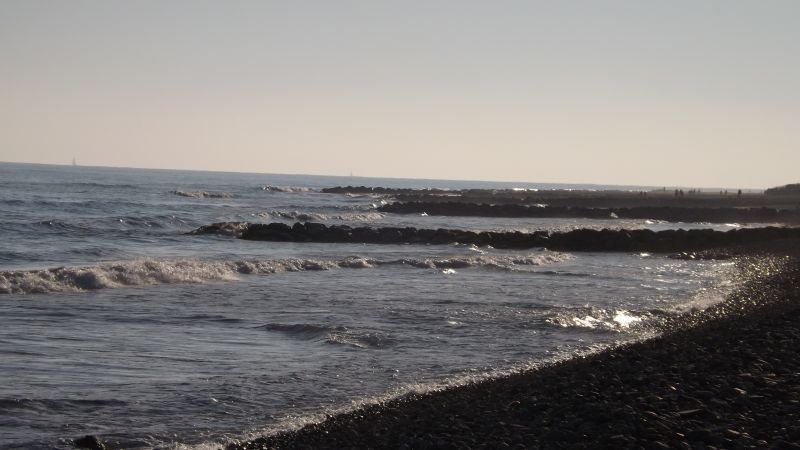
(113, 322)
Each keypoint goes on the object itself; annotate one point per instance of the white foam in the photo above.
(597, 319)
(287, 189)
(704, 298)
(365, 216)
(476, 249)
(625, 319)
(585, 322)
(357, 262)
(145, 272)
(503, 262)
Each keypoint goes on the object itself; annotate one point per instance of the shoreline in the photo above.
(725, 377)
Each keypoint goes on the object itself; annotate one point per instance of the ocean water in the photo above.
(114, 322)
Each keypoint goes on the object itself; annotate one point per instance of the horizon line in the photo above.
(607, 185)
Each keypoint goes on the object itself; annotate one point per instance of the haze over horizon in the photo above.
(356, 179)
(615, 92)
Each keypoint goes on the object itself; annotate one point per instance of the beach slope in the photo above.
(727, 377)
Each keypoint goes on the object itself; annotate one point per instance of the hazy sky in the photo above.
(694, 93)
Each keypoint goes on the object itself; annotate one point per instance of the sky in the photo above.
(689, 93)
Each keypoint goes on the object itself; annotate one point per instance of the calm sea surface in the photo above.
(113, 322)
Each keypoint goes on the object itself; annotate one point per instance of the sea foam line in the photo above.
(288, 189)
(146, 272)
(365, 216)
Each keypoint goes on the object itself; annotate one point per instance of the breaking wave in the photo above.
(502, 262)
(146, 272)
(270, 188)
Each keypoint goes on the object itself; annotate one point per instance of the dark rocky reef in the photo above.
(788, 198)
(789, 189)
(669, 241)
(89, 442)
(728, 378)
(667, 213)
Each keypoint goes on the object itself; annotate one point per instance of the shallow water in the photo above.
(115, 323)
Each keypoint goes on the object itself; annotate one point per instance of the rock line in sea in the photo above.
(667, 241)
(667, 213)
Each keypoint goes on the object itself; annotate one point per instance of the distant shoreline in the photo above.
(662, 213)
(586, 198)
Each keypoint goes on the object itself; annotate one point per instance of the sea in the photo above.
(115, 322)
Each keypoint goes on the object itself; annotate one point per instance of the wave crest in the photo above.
(288, 189)
(146, 272)
(502, 262)
(367, 216)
